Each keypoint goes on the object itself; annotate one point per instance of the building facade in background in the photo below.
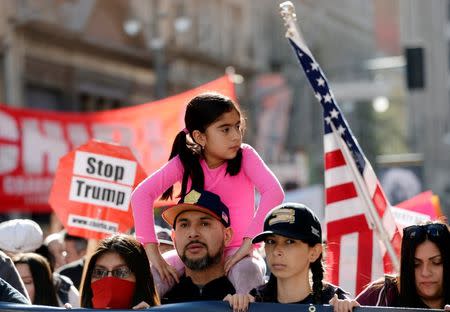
(425, 27)
(90, 55)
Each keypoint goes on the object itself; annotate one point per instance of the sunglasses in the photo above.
(434, 230)
(122, 272)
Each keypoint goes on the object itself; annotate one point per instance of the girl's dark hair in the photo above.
(136, 259)
(317, 278)
(408, 292)
(201, 112)
(44, 289)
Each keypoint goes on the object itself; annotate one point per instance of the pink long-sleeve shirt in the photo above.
(237, 192)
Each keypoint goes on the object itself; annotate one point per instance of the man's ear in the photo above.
(172, 235)
(228, 235)
(315, 252)
(199, 137)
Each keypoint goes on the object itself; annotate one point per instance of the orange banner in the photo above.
(33, 141)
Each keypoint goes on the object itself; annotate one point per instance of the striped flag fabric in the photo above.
(363, 240)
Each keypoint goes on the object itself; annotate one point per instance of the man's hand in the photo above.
(239, 302)
(242, 252)
(343, 305)
(167, 272)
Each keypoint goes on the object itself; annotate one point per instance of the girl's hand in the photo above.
(67, 306)
(447, 307)
(343, 305)
(242, 252)
(239, 302)
(141, 305)
(167, 272)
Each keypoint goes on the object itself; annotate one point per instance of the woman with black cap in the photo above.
(293, 246)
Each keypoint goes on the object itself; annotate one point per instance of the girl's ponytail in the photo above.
(179, 144)
(317, 277)
(189, 157)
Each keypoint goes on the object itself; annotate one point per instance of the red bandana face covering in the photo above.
(113, 293)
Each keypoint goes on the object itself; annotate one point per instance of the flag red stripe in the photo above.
(364, 252)
(396, 242)
(340, 192)
(334, 159)
(379, 200)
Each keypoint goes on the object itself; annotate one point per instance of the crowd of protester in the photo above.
(212, 249)
(118, 271)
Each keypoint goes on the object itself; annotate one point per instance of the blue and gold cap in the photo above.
(197, 200)
(294, 221)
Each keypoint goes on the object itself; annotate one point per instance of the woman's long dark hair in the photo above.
(201, 112)
(408, 291)
(44, 289)
(136, 259)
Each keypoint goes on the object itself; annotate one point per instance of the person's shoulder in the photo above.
(10, 294)
(179, 291)
(390, 279)
(264, 293)
(387, 281)
(3, 256)
(249, 152)
(5, 260)
(247, 148)
(62, 281)
(75, 265)
(184, 283)
(381, 292)
(329, 290)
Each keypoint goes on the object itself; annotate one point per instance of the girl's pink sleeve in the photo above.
(266, 183)
(145, 195)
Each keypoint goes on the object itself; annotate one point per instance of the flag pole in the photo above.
(292, 32)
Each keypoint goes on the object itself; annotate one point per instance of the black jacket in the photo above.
(186, 290)
(268, 293)
(10, 294)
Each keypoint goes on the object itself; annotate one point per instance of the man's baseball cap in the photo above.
(294, 221)
(197, 200)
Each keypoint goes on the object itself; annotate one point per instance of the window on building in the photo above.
(91, 102)
(44, 97)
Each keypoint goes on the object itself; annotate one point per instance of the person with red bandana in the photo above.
(118, 276)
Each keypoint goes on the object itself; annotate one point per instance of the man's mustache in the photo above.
(195, 242)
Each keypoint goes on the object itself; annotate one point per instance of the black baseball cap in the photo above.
(292, 220)
(197, 200)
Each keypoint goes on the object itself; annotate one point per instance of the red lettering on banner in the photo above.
(335, 231)
(77, 134)
(153, 132)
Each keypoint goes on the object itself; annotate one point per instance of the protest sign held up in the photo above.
(92, 188)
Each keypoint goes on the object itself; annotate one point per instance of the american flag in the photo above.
(356, 205)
